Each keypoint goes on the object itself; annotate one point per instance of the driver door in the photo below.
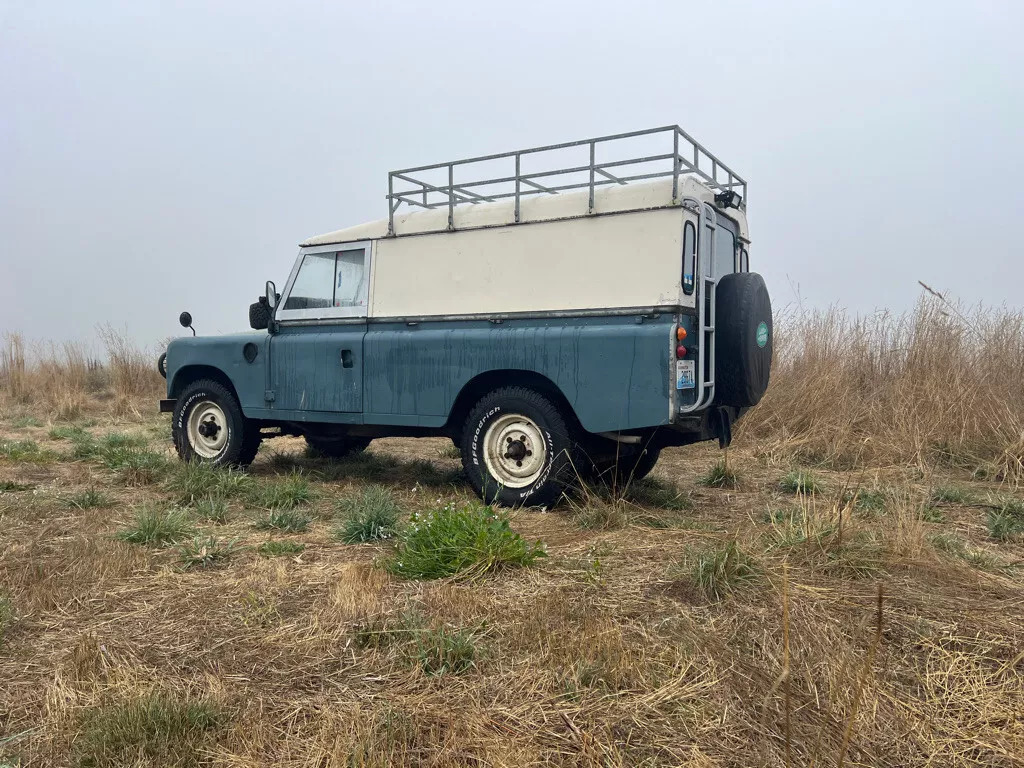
(316, 357)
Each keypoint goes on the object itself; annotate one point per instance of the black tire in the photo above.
(628, 466)
(337, 447)
(259, 314)
(161, 364)
(743, 339)
(237, 447)
(555, 466)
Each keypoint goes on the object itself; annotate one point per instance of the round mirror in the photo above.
(185, 319)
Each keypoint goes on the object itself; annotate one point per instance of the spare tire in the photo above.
(743, 339)
(259, 314)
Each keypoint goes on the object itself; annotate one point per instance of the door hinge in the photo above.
(269, 396)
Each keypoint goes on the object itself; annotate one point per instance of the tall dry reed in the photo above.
(938, 383)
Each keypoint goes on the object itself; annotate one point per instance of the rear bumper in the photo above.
(715, 423)
(167, 406)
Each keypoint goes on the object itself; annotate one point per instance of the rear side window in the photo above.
(744, 261)
(689, 256)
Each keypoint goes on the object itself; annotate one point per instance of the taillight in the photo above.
(680, 351)
(680, 333)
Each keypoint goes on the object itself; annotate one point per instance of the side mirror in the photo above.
(271, 295)
(185, 318)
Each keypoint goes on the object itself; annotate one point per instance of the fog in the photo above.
(156, 157)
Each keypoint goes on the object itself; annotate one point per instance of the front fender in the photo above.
(239, 360)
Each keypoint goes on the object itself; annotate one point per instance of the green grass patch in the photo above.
(932, 514)
(206, 552)
(721, 570)
(157, 527)
(288, 493)
(9, 486)
(871, 501)
(280, 548)
(212, 508)
(373, 514)
(89, 499)
(158, 729)
(950, 494)
(136, 466)
(25, 422)
(25, 450)
(466, 541)
(800, 481)
(1005, 524)
(67, 432)
(191, 482)
(954, 546)
(283, 520)
(446, 651)
(437, 651)
(721, 475)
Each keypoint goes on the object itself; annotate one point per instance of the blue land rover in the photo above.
(567, 315)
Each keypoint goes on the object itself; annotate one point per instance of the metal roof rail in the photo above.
(686, 157)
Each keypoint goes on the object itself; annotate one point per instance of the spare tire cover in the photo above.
(743, 339)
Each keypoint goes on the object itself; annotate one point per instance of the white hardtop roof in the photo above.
(575, 204)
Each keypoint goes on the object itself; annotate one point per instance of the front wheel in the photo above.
(517, 449)
(208, 426)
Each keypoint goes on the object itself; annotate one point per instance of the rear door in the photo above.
(316, 357)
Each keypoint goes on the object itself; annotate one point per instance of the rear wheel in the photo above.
(208, 426)
(337, 447)
(517, 449)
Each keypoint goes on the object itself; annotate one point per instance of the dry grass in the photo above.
(790, 619)
(68, 382)
(939, 384)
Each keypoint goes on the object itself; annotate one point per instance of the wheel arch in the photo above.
(489, 381)
(191, 373)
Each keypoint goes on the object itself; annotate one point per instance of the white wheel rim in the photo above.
(515, 451)
(207, 429)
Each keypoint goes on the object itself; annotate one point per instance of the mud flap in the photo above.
(722, 425)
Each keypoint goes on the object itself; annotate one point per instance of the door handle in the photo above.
(346, 358)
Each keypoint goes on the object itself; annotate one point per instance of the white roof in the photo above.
(533, 208)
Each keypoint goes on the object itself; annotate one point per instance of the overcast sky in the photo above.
(156, 157)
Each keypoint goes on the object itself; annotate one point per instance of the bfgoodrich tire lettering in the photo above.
(537, 457)
(208, 426)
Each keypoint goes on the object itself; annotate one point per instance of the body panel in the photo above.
(317, 368)
(225, 354)
(614, 371)
(601, 262)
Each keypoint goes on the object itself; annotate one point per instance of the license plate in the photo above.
(685, 374)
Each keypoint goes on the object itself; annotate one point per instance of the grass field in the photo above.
(844, 587)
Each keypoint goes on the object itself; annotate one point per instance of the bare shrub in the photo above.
(12, 367)
(132, 373)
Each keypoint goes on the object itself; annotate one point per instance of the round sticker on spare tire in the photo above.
(762, 334)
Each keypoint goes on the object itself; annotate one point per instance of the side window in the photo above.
(744, 261)
(350, 279)
(689, 256)
(313, 287)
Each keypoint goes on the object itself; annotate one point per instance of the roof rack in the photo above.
(685, 157)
